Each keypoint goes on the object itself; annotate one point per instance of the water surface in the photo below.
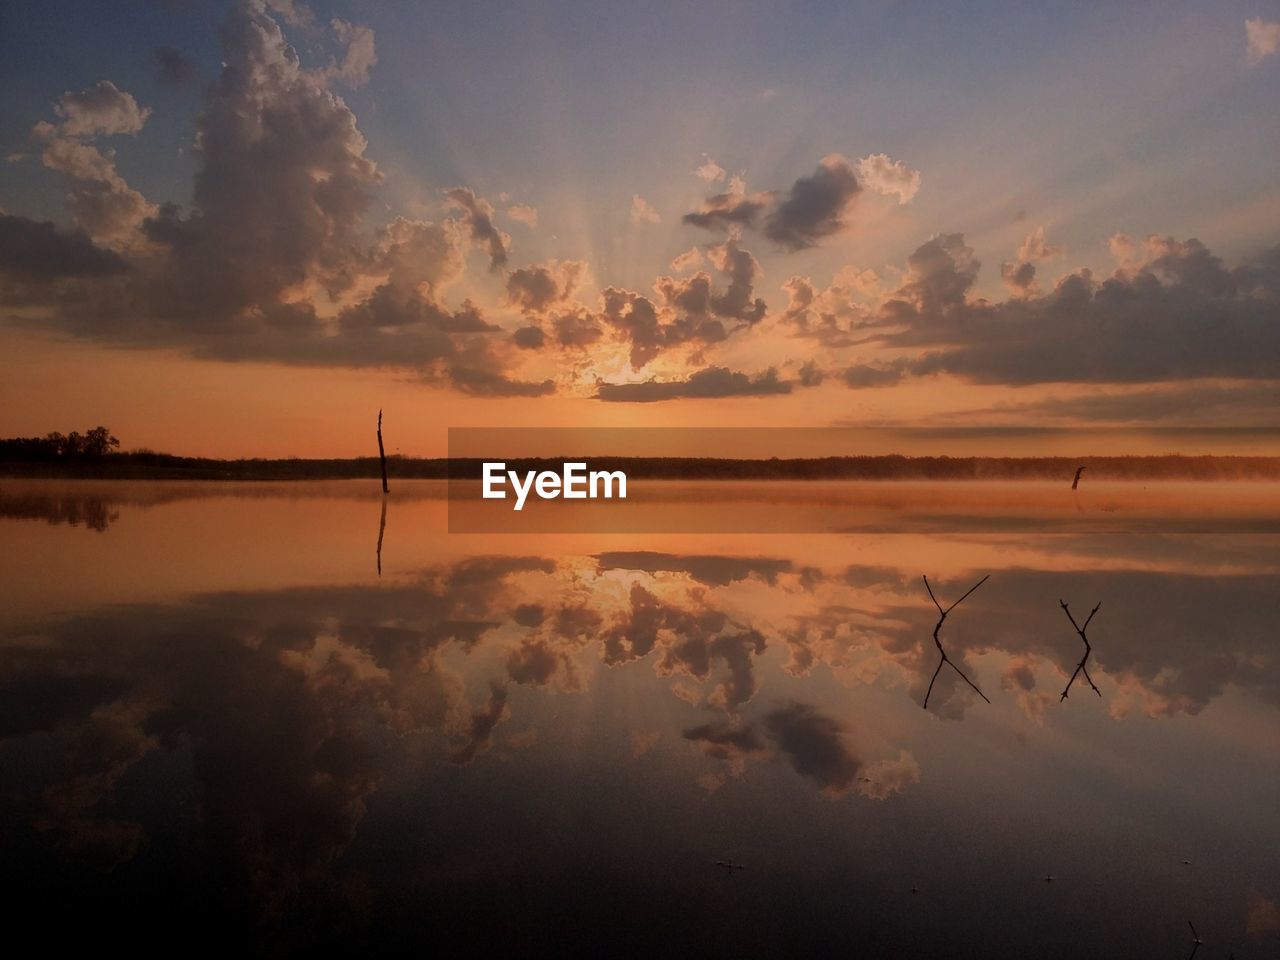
(226, 719)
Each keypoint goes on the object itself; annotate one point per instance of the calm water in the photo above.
(224, 729)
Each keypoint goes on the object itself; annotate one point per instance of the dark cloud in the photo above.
(725, 210)
(1019, 276)
(1178, 312)
(33, 251)
(576, 329)
(708, 383)
(529, 338)
(480, 222)
(536, 289)
(875, 375)
(815, 206)
(815, 745)
(172, 66)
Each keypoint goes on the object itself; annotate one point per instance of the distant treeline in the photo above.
(59, 448)
(15, 460)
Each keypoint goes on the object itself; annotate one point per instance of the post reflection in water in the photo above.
(220, 726)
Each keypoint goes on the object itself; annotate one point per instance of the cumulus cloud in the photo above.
(1019, 275)
(360, 56)
(103, 109)
(1262, 39)
(707, 383)
(1173, 310)
(642, 211)
(1036, 247)
(538, 288)
(816, 206)
(276, 228)
(690, 311)
(891, 177)
(709, 171)
(105, 206)
(833, 315)
(480, 221)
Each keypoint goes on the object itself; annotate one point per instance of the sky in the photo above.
(240, 229)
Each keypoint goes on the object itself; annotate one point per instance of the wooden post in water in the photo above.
(1076, 482)
(382, 454)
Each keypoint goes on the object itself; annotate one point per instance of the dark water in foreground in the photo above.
(222, 730)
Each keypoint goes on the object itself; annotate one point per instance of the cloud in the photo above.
(523, 213)
(816, 206)
(1019, 276)
(723, 741)
(691, 310)
(707, 383)
(292, 12)
(103, 109)
(576, 329)
(813, 743)
(834, 315)
(360, 56)
(1036, 247)
(34, 251)
(688, 260)
(105, 206)
(642, 211)
(172, 66)
(529, 338)
(480, 220)
(1262, 39)
(725, 210)
(537, 288)
(743, 270)
(712, 570)
(1172, 311)
(884, 778)
(880, 374)
(709, 171)
(479, 734)
(891, 177)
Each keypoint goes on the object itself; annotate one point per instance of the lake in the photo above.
(276, 718)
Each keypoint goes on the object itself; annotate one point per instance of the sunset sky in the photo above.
(240, 229)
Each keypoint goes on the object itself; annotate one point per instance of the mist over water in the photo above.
(225, 713)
